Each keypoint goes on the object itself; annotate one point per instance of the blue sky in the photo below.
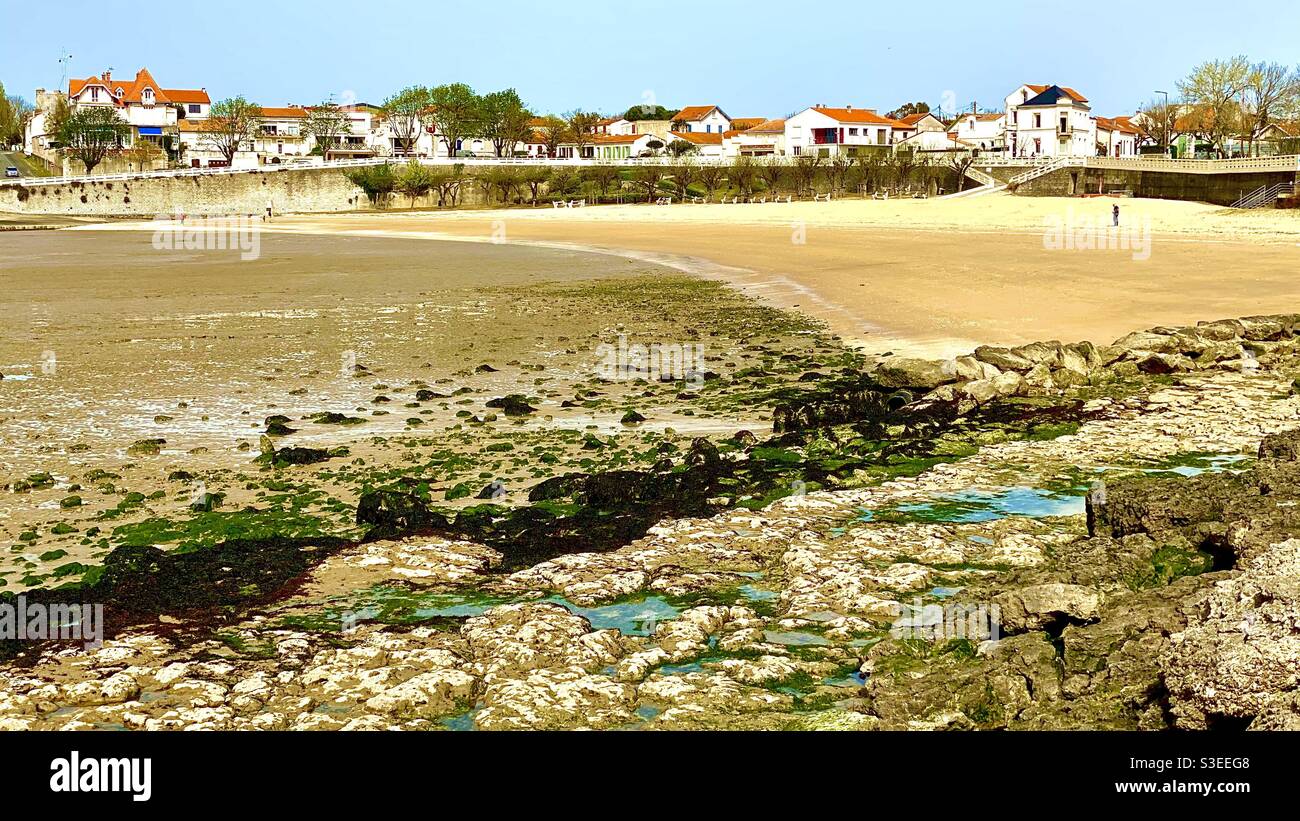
(752, 57)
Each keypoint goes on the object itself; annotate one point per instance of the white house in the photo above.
(1049, 121)
(987, 132)
(914, 124)
(706, 119)
(281, 135)
(766, 139)
(829, 131)
(1117, 137)
(150, 111)
(608, 147)
(615, 126)
(706, 144)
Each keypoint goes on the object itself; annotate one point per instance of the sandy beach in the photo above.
(932, 277)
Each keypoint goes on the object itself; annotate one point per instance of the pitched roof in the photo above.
(746, 123)
(913, 119)
(614, 139)
(1069, 92)
(132, 91)
(281, 113)
(187, 95)
(1120, 124)
(695, 113)
(858, 115)
(769, 127)
(697, 138)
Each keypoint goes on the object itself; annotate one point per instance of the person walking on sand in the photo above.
(1115, 214)
(269, 207)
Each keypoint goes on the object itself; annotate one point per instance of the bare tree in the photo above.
(1157, 119)
(648, 177)
(1214, 92)
(1271, 89)
(581, 125)
(327, 123)
(773, 173)
(553, 131)
(711, 177)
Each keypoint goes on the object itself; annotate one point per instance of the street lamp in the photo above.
(1167, 127)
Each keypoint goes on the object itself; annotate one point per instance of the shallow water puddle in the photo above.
(637, 617)
(976, 506)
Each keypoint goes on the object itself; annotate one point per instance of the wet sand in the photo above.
(925, 277)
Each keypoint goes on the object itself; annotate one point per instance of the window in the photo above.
(193, 108)
(94, 94)
(853, 132)
(147, 96)
(1038, 121)
(880, 137)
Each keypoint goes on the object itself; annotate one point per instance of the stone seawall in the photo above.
(300, 190)
(304, 190)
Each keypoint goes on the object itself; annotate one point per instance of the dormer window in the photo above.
(148, 96)
(94, 94)
(119, 92)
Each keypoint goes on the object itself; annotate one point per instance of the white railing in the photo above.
(395, 160)
(1038, 166)
(1265, 196)
(1044, 169)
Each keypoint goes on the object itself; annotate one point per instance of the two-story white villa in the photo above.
(149, 110)
(701, 119)
(826, 131)
(1053, 121)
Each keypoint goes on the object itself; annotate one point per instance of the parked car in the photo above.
(11, 171)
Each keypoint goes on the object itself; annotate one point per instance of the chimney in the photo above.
(848, 108)
(108, 76)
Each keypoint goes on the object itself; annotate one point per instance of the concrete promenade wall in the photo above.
(1219, 189)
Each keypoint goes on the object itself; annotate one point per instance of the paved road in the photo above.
(26, 167)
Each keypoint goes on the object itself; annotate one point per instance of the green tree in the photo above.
(404, 112)
(773, 172)
(377, 181)
(415, 181)
(680, 148)
(683, 174)
(456, 113)
(14, 114)
(231, 123)
(90, 132)
(506, 121)
(907, 109)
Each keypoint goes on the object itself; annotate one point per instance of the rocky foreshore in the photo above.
(1123, 513)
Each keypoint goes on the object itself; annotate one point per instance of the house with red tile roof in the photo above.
(914, 124)
(697, 119)
(702, 143)
(826, 131)
(764, 139)
(986, 132)
(150, 110)
(1117, 137)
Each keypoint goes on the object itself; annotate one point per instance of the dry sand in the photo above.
(924, 276)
